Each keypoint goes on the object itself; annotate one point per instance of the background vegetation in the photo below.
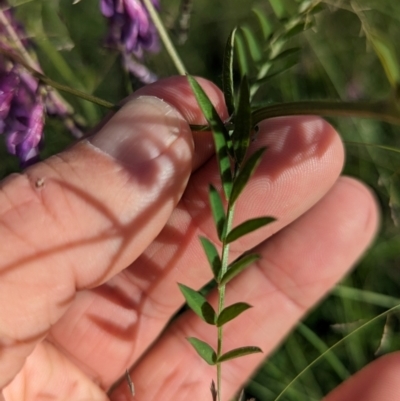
(336, 61)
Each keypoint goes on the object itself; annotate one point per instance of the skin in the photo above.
(95, 239)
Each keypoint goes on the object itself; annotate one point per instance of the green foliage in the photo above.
(220, 133)
(231, 312)
(243, 124)
(245, 173)
(231, 148)
(382, 46)
(261, 58)
(218, 211)
(212, 256)
(198, 304)
(238, 266)
(204, 350)
(247, 227)
(227, 73)
(238, 352)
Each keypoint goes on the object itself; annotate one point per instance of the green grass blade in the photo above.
(212, 256)
(220, 134)
(334, 346)
(218, 212)
(387, 55)
(204, 350)
(245, 173)
(247, 227)
(227, 73)
(231, 312)
(243, 123)
(238, 266)
(198, 304)
(239, 352)
(320, 345)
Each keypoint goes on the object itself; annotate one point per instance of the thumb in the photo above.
(82, 216)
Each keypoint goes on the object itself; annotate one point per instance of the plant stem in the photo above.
(56, 85)
(382, 110)
(165, 37)
(221, 294)
(387, 110)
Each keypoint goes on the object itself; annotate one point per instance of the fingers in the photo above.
(297, 267)
(303, 161)
(378, 381)
(80, 217)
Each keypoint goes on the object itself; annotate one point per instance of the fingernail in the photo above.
(141, 131)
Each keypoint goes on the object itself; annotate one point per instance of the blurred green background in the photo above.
(336, 61)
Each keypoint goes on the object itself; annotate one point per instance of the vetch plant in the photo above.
(235, 171)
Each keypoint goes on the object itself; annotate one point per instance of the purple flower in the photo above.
(25, 133)
(23, 102)
(131, 32)
(22, 114)
(8, 84)
(130, 26)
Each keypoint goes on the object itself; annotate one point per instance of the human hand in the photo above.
(94, 243)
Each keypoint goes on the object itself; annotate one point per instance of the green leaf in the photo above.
(217, 209)
(265, 25)
(221, 137)
(387, 55)
(245, 173)
(383, 47)
(255, 49)
(296, 28)
(276, 70)
(231, 312)
(239, 352)
(198, 304)
(242, 58)
(279, 8)
(286, 53)
(56, 31)
(394, 198)
(212, 256)
(247, 227)
(243, 124)
(227, 73)
(238, 266)
(204, 350)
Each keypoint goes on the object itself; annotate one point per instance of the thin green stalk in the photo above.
(387, 111)
(381, 110)
(15, 40)
(334, 346)
(221, 294)
(56, 85)
(165, 37)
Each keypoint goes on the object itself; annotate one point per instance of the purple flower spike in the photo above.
(131, 31)
(8, 84)
(25, 132)
(23, 101)
(130, 26)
